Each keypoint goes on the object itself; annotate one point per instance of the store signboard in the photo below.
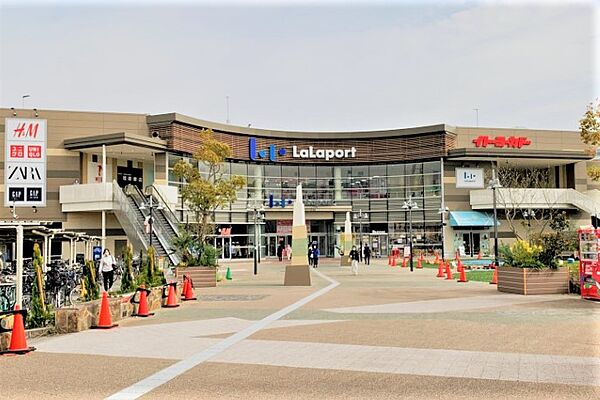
(514, 142)
(469, 178)
(25, 162)
(273, 152)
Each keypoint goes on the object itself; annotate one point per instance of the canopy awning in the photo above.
(471, 218)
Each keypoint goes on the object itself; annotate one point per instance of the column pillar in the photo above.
(337, 179)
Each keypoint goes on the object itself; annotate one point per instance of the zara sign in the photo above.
(469, 178)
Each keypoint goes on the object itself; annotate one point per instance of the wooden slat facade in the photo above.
(529, 281)
(183, 138)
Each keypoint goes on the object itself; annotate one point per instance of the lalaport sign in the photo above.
(272, 152)
(25, 162)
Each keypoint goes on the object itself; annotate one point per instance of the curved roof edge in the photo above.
(166, 119)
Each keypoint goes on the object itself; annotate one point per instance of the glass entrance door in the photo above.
(471, 243)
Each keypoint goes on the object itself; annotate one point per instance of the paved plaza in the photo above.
(384, 334)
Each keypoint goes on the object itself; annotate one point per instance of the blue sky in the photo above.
(308, 66)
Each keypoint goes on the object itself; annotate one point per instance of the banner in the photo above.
(25, 162)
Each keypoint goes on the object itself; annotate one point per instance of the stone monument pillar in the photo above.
(297, 273)
(346, 241)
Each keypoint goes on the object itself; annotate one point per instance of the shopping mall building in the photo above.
(370, 174)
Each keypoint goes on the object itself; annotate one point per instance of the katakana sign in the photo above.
(514, 142)
(25, 162)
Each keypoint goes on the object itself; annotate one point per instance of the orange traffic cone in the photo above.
(463, 275)
(104, 319)
(459, 265)
(448, 272)
(404, 262)
(393, 261)
(494, 277)
(189, 292)
(18, 340)
(172, 297)
(419, 264)
(440, 273)
(142, 309)
(390, 260)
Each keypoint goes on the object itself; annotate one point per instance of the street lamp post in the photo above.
(258, 215)
(409, 205)
(360, 216)
(494, 184)
(151, 206)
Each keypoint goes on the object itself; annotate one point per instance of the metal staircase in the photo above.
(132, 216)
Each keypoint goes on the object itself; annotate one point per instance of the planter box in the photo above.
(201, 276)
(530, 281)
(83, 316)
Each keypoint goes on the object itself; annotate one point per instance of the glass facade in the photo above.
(379, 191)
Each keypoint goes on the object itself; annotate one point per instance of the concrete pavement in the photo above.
(387, 325)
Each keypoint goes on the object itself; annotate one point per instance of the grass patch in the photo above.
(479, 276)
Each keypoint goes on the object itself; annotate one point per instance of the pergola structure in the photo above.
(30, 229)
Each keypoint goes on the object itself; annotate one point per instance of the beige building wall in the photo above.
(64, 166)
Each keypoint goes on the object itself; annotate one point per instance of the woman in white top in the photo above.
(288, 252)
(107, 263)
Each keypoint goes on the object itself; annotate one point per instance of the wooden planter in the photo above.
(529, 281)
(201, 276)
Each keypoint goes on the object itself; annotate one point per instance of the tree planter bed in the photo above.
(201, 276)
(82, 316)
(528, 281)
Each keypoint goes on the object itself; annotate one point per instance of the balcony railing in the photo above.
(511, 198)
(86, 197)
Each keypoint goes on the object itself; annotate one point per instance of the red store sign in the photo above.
(515, 142)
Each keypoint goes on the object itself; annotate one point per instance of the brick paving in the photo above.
(384, 322)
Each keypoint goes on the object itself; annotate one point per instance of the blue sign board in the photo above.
(97, 252)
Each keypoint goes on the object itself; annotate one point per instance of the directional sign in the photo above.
(25, 162)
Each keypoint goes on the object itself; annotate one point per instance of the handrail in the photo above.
(166, 211)
(126, 216)
(163, 236)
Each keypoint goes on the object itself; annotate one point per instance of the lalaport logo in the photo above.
(273, 152)
(310, 152)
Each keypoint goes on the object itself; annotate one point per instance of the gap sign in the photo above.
(25, 162)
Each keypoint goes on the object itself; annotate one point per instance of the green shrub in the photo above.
(209, 256)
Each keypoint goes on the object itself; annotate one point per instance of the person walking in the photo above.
(354, 257)
(367, 254)
(310, 255)
(107, 269)
(360, 252)
(280, 250)
(288, 251)
(315, 255)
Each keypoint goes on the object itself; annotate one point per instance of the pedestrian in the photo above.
(280, 250)
(107, 269)
(288, 251)
(354, 257)
(315, 254)
(367, 254)
(360, 253)
(310, 255)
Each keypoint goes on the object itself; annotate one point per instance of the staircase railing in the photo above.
(166, 211)
(126, 216)
(164, 237)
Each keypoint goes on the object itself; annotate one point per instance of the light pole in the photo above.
(409, 205)
(23, 99)
(494, 184)
(150, 207)
(443, 211)
(360, 216)
(258, 216)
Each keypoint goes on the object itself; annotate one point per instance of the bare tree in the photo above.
(518, 203)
